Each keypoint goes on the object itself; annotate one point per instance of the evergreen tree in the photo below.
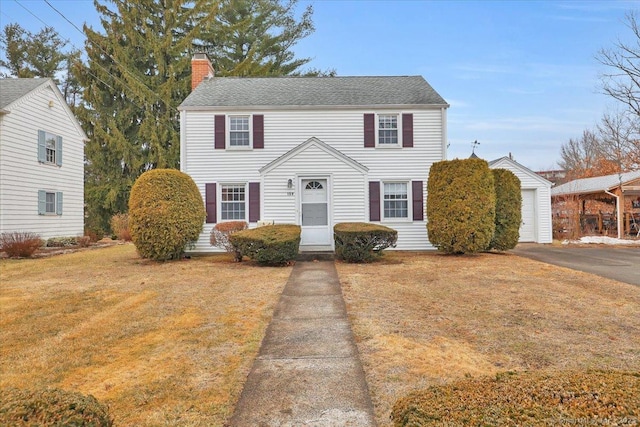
(43, 54)
(139, 71)
(137, 74)
(255, 37)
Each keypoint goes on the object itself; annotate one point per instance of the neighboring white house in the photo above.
(536, 201)
(41, 160)
(313, 151)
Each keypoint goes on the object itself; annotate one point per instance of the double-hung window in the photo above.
(49, 148)
(388, 130)
(233, 204)
(396, 200)
(239, 132)
(49, 202)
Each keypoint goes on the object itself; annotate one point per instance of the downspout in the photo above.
(618, 212)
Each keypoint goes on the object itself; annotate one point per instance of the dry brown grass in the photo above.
(160, 343)
(428, 319)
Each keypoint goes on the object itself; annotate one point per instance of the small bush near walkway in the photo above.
(21, 244)
(220, 236)
(269, 245)
(51, 407)
(532, 399)
(361, 241)
(508, 210)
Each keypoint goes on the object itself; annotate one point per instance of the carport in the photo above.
(607, 204)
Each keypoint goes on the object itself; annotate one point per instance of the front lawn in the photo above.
(160, 343)
(424, 319)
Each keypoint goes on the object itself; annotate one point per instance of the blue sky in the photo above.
(521, 76)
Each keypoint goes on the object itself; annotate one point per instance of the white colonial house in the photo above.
(313, 151)
(41, 160)
(536, 201)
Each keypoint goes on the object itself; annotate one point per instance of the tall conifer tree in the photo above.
(138, 72)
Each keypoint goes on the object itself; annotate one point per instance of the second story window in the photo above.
(388, 129)
(50, 141)
(239, 131)
(49, 148)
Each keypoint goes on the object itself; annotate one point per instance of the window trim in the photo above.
(398, 116)
(409, 199)
(44, 137)
(220, 202)
(228, 131)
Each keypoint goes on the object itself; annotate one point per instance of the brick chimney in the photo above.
(201, 69)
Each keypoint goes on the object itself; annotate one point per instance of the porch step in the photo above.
(316, 256)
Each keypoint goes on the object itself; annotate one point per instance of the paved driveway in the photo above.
(614, 262)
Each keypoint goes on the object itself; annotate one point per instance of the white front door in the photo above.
(314, 211)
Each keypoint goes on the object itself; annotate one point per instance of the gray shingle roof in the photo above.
(312, 91)
(13, 89)
(595, 184)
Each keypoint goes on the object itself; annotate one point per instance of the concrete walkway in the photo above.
(308, 372)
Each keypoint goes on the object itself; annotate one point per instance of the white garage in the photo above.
(536, 201)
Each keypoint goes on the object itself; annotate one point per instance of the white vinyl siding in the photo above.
(287, 129)
(23, 175)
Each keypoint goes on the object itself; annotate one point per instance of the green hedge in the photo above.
(166, 213)
(361, 241)
(51, 407)
(508, 210)
(270, 245)
(526, 399)
(461, 205)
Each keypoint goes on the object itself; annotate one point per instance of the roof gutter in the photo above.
(618, 212)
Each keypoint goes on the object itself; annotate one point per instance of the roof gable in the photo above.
(313, 141)
(16, 90)
(498, 163)
(312, 92)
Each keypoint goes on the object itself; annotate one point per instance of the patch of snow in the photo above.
(602, 240)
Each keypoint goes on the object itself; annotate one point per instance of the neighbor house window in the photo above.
(233, 202)
(239, 135)
(388, 129)
(396, 200)
(49, 148)
(49, 202)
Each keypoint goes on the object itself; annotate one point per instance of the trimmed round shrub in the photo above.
(536, 399)
(361, 241)
(508, 210)
(51, 407)
(461, 205)
(166, 213)
(269, 245)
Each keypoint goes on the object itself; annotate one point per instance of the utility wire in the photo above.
(158, 97)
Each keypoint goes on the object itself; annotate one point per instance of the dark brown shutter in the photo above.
(254, 201)
(374, 201)
(418, 205)
(219, 123)
(258, 131)
(369, 130)
(407, 130)
(210, 203)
